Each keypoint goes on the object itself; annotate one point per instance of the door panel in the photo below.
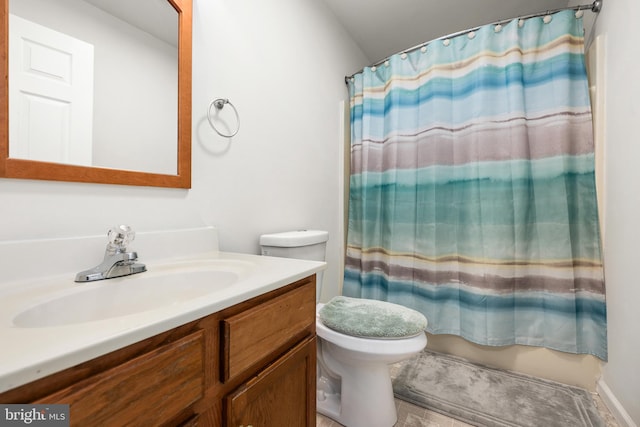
(50, 94)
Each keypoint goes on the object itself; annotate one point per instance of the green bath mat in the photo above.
(489, 397)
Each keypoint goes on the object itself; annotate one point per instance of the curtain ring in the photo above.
(219, 104)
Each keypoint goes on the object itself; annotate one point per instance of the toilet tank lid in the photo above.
(292, 239)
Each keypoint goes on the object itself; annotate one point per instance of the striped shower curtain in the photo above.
(472, 189)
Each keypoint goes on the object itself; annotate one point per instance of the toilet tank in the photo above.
(302, 244)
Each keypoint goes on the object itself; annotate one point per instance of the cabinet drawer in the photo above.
(261, 332)
(167, 379)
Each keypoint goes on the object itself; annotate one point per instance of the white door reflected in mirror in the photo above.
(51, 95)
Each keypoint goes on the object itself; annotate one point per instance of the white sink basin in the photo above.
(157, 288)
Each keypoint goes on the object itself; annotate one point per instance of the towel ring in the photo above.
(219, 104)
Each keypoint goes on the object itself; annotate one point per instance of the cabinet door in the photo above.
(282, 395)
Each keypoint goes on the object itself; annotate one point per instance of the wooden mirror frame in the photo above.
(30, 169)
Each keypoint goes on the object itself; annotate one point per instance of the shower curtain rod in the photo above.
(594, 7)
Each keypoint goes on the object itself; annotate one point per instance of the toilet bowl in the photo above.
(354, 385)
(353, 381)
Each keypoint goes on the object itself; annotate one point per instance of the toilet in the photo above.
(353, 381)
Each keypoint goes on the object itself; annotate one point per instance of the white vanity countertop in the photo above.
(30, 353)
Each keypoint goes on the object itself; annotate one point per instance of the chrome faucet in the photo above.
(117, 261)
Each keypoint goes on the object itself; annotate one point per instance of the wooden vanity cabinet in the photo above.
(252, 364)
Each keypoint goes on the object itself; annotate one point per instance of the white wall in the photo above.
(621, 374)
(281, 62)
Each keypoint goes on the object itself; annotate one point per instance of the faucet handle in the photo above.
(120, 237)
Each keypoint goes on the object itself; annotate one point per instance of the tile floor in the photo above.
(410, 415)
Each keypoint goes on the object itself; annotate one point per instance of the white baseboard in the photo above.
(614, 406)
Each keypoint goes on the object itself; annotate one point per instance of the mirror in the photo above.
(116, 140)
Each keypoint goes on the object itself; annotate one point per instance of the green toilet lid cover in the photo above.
(367, 318)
